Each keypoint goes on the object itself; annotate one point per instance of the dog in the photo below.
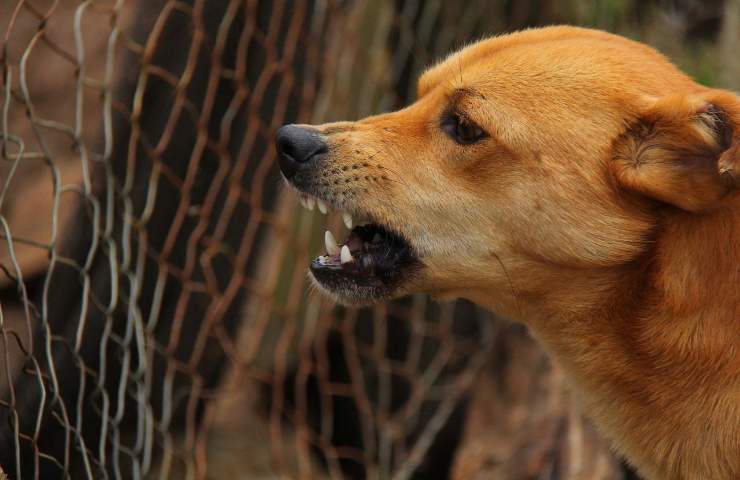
(578, 182)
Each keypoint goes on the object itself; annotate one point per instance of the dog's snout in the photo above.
(296, 146)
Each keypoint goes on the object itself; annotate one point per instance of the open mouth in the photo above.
(371, 264)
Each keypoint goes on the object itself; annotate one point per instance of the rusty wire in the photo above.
(154, 314)
(156, 281)
(155, 319)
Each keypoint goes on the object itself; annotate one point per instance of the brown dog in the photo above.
(578, 182)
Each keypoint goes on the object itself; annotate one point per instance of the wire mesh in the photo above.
(154, 314)
(155, 272)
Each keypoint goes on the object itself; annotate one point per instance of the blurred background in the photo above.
(155, 320)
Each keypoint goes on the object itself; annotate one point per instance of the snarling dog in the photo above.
(578, 182)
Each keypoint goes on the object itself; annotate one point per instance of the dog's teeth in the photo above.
(331, 245)
(322, 206)
(345, 256)
(310, 203)
(347, 220)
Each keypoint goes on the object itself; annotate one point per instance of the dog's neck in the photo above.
(683, 292)
(659, 335)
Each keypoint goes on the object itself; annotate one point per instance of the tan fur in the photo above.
(602, 211)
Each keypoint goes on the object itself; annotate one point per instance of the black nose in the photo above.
(296, 146)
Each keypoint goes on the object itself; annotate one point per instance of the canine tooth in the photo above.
(331, 245)
(345, 256)
(310, 203)
(322, 206)
(347, 220)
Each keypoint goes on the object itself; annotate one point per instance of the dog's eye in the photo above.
(461, 129)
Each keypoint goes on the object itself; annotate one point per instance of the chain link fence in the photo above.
(154, 314)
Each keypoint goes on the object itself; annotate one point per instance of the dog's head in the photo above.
(525, 157)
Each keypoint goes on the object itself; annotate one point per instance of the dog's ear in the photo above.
(683, 150)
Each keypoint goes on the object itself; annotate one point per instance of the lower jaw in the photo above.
(352, 291)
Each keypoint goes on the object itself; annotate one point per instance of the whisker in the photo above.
(400, 179)
(511, 285)
(460, 70)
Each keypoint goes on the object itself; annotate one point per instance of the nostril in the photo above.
(296, 146)
(322, 149)
(300, 143)
(285, 147)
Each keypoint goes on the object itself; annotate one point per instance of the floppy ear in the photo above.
(683, 150)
